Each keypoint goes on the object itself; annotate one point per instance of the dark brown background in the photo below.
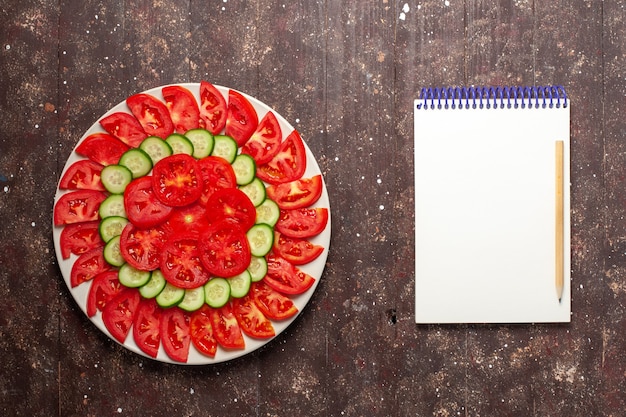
(345, 74)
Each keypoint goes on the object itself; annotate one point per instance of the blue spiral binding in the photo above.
(493, 97)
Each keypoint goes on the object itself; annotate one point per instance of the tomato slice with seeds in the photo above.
(78, 206)
(182, 106)
(251, 319)
(302, 223)
(82, 175)
(273, 304)
(213, 109)
(201, 331)
(146, 327)
(296, 194)
(189, 219)
(264, 143)
(87, 266)
(142, 206)
(231, 204)
(102, 148)
(297, 251)
(180, 262)
(286, 278)
(217, 173)
(125, 127)
(141, 247)
(177, 180)
(78, 238)
(152, 115)
(288, 164)
(224, 249)
(226, 328)
(104, 287)
(241, 119)
(119, 313)
(175, 335)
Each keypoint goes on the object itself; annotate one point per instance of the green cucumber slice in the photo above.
(170, 296)
(179, 144)
(255, 191)
(268, 212)
(245, 169)
(202, 141)
(225, 147)
(154, 286)
(217, 292)
(156, 148)
(115, 178)
(193, 299)
(113, 205)
(111, 226)
(261, 238)
(240, 284)
(257, 268)
(131, 277)
(112, 253)
(137, 161)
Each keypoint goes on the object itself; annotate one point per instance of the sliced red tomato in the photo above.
(78, 206)
(264, 143)
(224, 249)
(180, 262)
(302, 223)
(297, 251)
(286, 278)
(119, 313)
(125, 127)
(241, 120)
(78, 238)
(152, 115)
(82, 175)
(175, 334)
(190, 219)
(142, 206)
(201, 331)
(226, 328)
(177, 180)
(104, 287)
(182, 106)
(141, 247)
(213, 109)
(87, 266)
(273, 304)
(289, 164)
(217, 173)
(296, 194)
(251, 319)
(102, 148)
(231, 204)
(146, 327)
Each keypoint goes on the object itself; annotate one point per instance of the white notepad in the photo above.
(486, 203)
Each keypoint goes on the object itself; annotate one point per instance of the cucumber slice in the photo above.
(261, 238)
(156, 148)
(268, 212)
(202, 141)
(240, 284)
(137, 161)
(111, 226)
(217, 292)
(255, 191)
(113, 205)
(154, 286)
(112, 253)
(245, 169)
(226, 147)
(170, 296)
(115, 178)
(131, 277)
(257, 268)
(179, 144)
(193, 299)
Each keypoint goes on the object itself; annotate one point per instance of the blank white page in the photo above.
(485, 224)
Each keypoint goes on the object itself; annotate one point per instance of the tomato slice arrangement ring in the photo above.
(136, 256)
